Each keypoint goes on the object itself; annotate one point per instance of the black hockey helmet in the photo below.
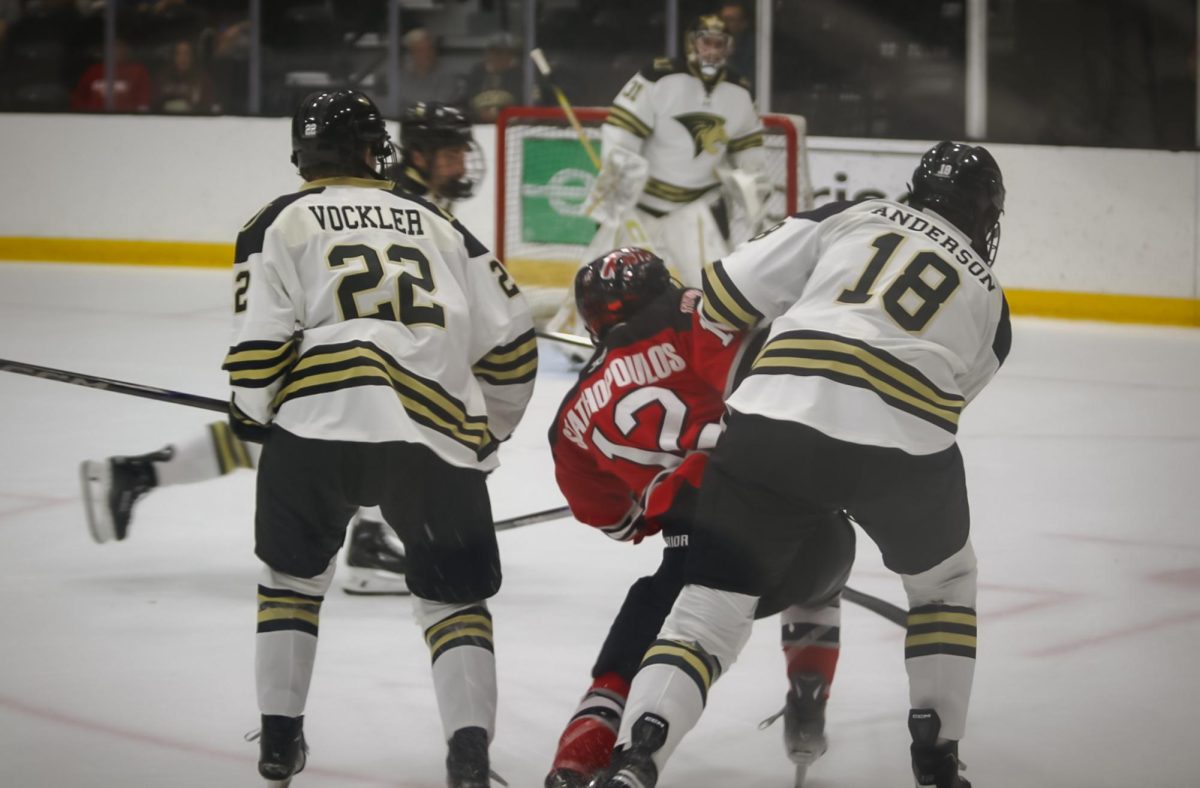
(429, 126)
(331, 131)
(713, 28)
(962, 183)
(612, 288)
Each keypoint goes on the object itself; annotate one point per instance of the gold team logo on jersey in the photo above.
(708, 131)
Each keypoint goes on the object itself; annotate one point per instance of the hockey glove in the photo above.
(665, 491)
(245, 427)
(618, 186)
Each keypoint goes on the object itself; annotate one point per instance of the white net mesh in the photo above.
(542, 232)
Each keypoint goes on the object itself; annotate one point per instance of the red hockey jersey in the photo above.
(644, 411)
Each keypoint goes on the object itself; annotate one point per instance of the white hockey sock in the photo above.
(939, 650)
(700, 639)
(214, 452)
(464, 663)
(289, 610)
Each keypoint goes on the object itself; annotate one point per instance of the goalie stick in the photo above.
(886, 609)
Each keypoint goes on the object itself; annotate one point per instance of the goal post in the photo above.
(543, 175)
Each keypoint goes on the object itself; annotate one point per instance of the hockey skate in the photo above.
(110, 489)
(375, 562)
(933, 763)
(282, 749)
(565, 778)
(467, 763)
(804, 723)
(633, 766)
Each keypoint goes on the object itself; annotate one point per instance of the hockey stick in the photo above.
(884, 608)
(533, 518)
(897, 615)
(566, 339)
(874, 604)
(543, 66)
(117, 386)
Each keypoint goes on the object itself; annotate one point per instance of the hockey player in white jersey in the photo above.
(383, 354)
(674, 133)
(438, 160)
(111, 487)
(438, 157)
(887, 320)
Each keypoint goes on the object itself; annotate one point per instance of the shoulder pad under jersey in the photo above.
(250, 239)
(661, 67)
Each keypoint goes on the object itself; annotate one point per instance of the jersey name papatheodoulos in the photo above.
(885, 323)
(363, 313)
(652, 394)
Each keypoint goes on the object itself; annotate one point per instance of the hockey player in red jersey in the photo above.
(630, 445)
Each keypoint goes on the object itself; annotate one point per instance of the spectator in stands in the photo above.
(9, 11)
(496, 82)
(425, 77)
(183, 86)
(131, 87)
(737, 22)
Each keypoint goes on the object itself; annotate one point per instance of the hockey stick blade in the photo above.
(116, 386)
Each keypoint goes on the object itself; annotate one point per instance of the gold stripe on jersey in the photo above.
(752, 140)
(347, 365)
(723, 302)
(696, 663)
(514, 362)
(626, 120)
(258, 363)
(940, 629)
(231, 452)
(855, 363)
(672, 193)
(281, 610)
(469, 627)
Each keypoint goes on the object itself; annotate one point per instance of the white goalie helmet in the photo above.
(709, 45)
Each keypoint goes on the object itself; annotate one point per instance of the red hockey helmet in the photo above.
(612, 288)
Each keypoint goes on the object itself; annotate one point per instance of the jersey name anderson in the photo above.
(962, 254)
(645, 367)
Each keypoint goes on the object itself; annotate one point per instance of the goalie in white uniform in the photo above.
(682, 145)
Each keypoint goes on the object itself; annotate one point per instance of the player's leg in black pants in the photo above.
(586, 744)
(443, 515)
(750, 527)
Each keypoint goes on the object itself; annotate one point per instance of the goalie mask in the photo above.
(963, 184)
(334, 130)
(613, 288)
(428, 128)
(709, 45)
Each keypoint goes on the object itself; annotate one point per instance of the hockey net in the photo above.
(544, 174)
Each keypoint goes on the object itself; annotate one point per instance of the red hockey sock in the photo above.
(587, 743)
(819, 659)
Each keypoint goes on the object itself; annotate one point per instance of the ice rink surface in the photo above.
(131, 664)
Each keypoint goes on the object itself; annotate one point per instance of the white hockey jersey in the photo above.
(685, 128)
(886, 323)
(364, 313)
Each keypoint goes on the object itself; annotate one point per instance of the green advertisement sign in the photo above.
(556, 176)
